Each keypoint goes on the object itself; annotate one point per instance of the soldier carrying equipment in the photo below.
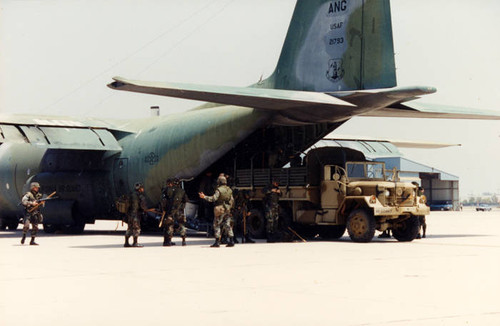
(240, 213)
(32, 201)
(272, 196)
(223, 199)
(136, 210)
(176, 197)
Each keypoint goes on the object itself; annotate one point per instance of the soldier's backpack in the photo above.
(123, 204)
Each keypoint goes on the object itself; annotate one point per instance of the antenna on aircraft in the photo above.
(155, 111)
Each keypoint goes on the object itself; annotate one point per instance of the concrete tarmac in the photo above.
(452, 277)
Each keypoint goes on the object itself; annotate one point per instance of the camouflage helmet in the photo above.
(177, 181)
(221, 180)
(138, 186)
(34, 185)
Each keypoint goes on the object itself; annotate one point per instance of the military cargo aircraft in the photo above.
(337, 62)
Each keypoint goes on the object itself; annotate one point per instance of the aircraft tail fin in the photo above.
(337, 45)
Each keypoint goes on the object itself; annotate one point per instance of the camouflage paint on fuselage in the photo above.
(183, 145)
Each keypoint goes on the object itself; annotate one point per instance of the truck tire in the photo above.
(332, 231)
(361, 225)
(256, 224)
(407, 229)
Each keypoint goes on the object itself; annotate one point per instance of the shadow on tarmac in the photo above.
(207, 243)
(392, 240)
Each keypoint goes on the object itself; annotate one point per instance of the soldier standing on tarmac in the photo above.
(421, 218)
(135, 212)
(240, 214)
(30, 200)
(176, 214)
(167, 196)
(223, 197)
(272, 197)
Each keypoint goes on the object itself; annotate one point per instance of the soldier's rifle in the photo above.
(244, 216)
(162, 218)
(40, 202)
(295, 233)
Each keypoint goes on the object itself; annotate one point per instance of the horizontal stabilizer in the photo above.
(425, 110)
(296, 106)
(396, 142)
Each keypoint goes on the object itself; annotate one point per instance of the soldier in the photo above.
(223, 198)
(31, 200)
(167, 194)
(240, 214)
(421, 218)
(135, 212)
(176, 215)
(272, 196)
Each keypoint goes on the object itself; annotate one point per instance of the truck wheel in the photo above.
(361, 225)
(256, 224)
(406, 230)
(332, 232)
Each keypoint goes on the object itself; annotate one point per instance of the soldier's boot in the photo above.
(136, 244)
(248, 239)
(230, 242)
(223, 240)
(127, 244)
(216, 244)
(184, 241)
(166, 241)
(32, 242)
(23, 239)
(270, 237)
(418, 236)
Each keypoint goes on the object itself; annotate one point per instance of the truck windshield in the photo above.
(365, 170)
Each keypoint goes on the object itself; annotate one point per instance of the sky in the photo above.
(56, 57)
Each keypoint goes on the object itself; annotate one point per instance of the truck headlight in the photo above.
(357, 191)
(387, 193)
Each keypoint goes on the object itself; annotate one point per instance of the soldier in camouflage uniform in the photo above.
(167, 194)
(272, 197)
(176, 214)
(421, 218)
(30, 200)
(240, 213)
(223, 199)
(136, 210)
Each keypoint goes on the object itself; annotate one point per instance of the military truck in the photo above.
(334, 190)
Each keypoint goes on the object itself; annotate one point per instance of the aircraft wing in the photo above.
(425, 110)
(396, 142)
(294, 107)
